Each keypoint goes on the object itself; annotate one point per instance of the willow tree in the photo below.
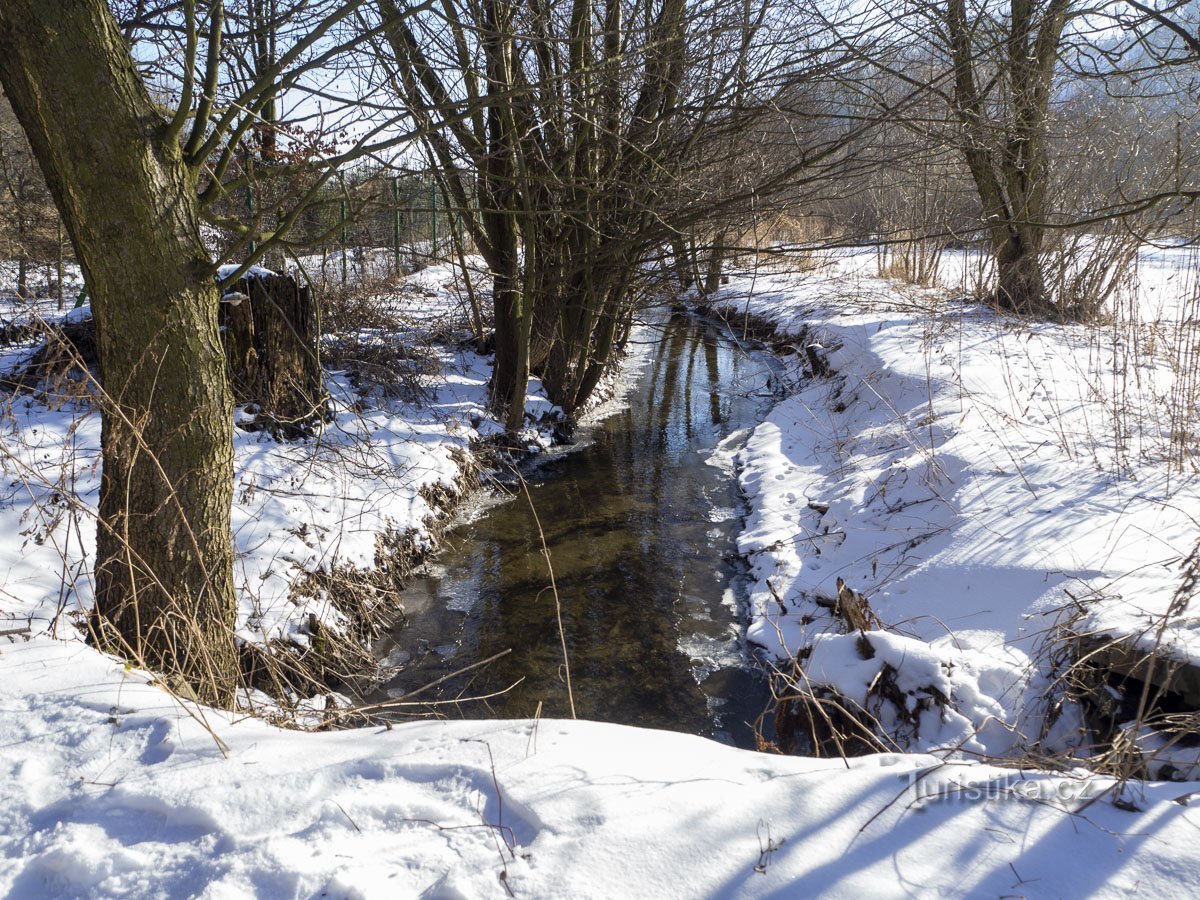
(134, 180)
(570, 139)
(537, 160)
(1003, 61)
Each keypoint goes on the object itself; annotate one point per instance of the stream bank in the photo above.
(975, 478)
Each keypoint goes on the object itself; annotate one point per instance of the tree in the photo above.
(1052, 161)
(579, 141)
(28, 221)
(1157, 62)
(1169, 31)
(530, 193)
(1002, 76)
(164, 578)
(134, 178)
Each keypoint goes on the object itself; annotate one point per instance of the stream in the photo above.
(640, 522)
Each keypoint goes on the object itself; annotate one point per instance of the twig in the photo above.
(395, 704)
(562, 636)
(385, 704)
(347, 815)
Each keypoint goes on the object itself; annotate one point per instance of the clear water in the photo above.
(640, 526)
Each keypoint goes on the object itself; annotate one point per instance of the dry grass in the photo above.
(337, 656)
(910, 259)
(336, 653)
(815, 719)
(796, 238)
(359, 305)
(61, 366)
(383, 366)
(1136, 719)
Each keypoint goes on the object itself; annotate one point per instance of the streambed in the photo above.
(640, 522)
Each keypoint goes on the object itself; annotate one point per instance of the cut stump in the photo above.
(269, 328)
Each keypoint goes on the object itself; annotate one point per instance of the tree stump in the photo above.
(269, 328)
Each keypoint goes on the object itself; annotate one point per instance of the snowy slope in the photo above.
(298, 507)
(940, 471)
(111, 789)
(971, 474)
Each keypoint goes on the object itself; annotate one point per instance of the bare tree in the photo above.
(136, 178)
(29, 221)
(580, 140)
(1003, 69)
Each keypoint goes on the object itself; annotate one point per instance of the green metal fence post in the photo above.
(433, 202)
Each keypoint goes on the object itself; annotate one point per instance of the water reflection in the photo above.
(640, 529)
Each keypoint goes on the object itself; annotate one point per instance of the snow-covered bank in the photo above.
(979, 479)
(111, 789)
(376, 485)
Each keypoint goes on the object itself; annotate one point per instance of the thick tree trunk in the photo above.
(510, 371)
(506, 309)
(1020, 286)
(510, 294)
(164, 585)
(1005, 149)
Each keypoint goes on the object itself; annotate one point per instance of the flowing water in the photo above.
(640, 524)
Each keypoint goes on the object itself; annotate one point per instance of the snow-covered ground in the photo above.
(981, 480)
(298, 507)
(961, 470)
(110, 789)
(41, 285)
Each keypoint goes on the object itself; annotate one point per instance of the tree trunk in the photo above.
(269, 327)
(164, 579)
(1005, 149)
(684, 264)
(1020, 286)
(716, 260)
(508, 372)
(510, 296)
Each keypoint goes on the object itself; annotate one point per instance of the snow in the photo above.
(298, 506)
(78, 314)
(225, 271)
(111, 788)
(962, 470)
(945, 704)
(41, 285)
(969, 473)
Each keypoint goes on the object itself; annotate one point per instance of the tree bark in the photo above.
(565, 132)
(716, 261)
(510, 294)
(1020, 285)
(683, 262)
(164, 585)
(270, 334)
(1006, 151)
